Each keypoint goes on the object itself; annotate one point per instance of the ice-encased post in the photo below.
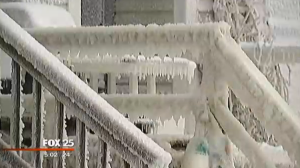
(94, 81)
(81, 139)
(60, 131)
(81, 145)
(16, 117)
(151, 84)
(112, 83)
(133, 84)
(37, 125)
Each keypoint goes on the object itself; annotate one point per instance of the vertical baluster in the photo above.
(16, 118)
(94, 81)
(151, 84)
(60, 110)
(81, 145)
(133, 89)
(112, 84)
(133, 84)
(81, 140)
(37, 124)
(102, 154)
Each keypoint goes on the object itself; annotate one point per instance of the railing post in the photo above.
(151, 84)
(81, 145)
(61, 116)
(112, 84)
(94, 81)
(37, 124)
(81, 139)
(133, 84)
(16, 124)
(103, 152)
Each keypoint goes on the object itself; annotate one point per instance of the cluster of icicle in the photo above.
(144, 66)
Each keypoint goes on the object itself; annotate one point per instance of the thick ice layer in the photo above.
(138, 65)
(173, 40)
(252, 87)
(92, 107)
(29, 15)
(163, 107)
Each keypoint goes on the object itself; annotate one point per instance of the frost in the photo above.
(138, 65)
(88, 106)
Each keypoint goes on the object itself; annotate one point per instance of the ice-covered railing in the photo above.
(138, 65)
(163, 107)
(89, 108)
(233, 68)
(11, 157)
(174, 40)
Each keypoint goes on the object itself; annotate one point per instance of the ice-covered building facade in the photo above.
(204, 53)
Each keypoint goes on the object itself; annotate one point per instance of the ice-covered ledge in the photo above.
(152, 106)
(169, 39)
(137, 65)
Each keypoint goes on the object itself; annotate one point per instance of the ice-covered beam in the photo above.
(169, 39)
(134, 146)
(135, 65)
(253, 88)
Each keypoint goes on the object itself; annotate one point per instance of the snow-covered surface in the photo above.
(29, 15)
(137, 65)
(252, 87)
(138, 148)
(174, 40)
(32, 16)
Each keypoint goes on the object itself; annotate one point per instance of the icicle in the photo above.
(22, 125)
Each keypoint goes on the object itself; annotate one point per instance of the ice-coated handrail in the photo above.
(11, 157)
(134, 146)
(253, 88)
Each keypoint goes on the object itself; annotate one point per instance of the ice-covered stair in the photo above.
(87, 105)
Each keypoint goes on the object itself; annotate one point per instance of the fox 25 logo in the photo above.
(58, 142)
